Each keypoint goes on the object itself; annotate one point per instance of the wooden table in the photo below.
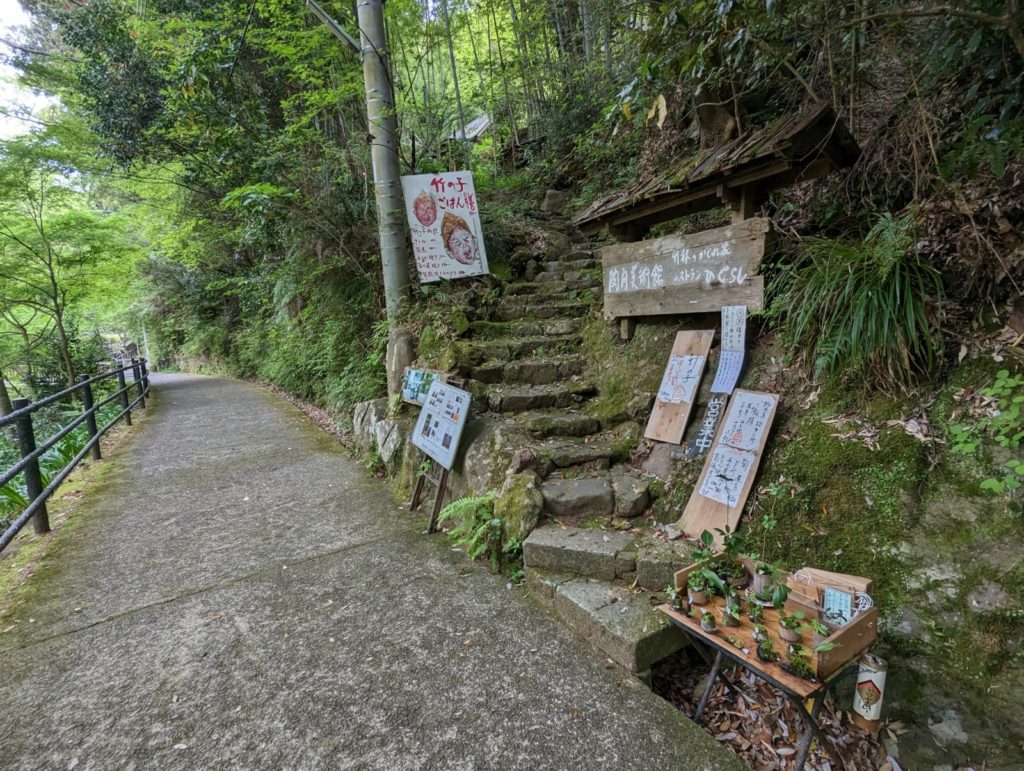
(796, 689)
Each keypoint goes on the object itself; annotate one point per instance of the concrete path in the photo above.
(238, 593)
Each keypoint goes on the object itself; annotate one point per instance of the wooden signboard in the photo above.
(679, 386)
(724, 483)
(696, 273)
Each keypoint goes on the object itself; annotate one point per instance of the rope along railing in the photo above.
(21, 419)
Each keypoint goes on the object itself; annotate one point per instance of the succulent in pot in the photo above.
(707, 622)
(759, 633)
(675, 598)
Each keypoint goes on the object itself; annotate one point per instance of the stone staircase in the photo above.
(523, 360)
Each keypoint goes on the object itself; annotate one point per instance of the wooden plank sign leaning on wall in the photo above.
(724, 483)
(696, 273)
(679, 386)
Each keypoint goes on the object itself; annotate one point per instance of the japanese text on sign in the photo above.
(441, 421)
(444, 223)
(680, 380)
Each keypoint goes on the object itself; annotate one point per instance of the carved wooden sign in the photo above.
(696, 273)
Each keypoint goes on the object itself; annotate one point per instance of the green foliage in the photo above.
(1002, 424)
(475, 528)
(863, 311)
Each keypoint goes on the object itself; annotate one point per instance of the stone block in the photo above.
(578, 551)
(578, 497)
(620, 624)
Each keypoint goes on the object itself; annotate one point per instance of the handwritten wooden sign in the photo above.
(679, 386)
(724, 483)
(697, 273)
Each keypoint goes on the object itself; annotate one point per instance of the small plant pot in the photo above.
(730, 620)
(755, 613)
(738, 582)
(709, 626)
(759, 636)
(789, 635)
(763, 657)
(697, 598)
(762, 582)
(678, 604)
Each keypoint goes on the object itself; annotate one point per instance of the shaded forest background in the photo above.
(205, 176)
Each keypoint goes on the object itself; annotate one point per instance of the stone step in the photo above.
(543, 425)
(521, 398)
(507, 311)
(595, 452)
(493, 330)
(576, 252)
(566, 265)
(619, 623)
(556, 287)
(530, 371)
(594, 494)
(569, 275)
(606, 555)
(466, 354)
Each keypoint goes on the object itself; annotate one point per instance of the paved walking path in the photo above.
(238, 593)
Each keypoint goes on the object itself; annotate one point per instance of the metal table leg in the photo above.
(811, 730)
(707, 690)
(703, 651)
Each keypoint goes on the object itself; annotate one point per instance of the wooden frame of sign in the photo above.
(668, 419)
(695, 273)
(437, 474)
(706, 513)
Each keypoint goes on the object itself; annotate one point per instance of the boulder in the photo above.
(555, 201)
(401, 353)
(519, 504)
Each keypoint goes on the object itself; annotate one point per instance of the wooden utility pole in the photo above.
(382, 119)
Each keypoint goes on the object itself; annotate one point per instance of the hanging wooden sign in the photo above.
(679, 386)
(724, 483)
(444, 224)
(696, 273)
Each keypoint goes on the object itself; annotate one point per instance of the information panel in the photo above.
(441, 421)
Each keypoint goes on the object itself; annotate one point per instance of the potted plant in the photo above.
(730, 616)
(759, 633)
(765, 576)
(730, 565)
(821, 632)
(755, 612)
(697, 587)
(799, 663)
(675, 598)
(791, 626)
(766, 651)
(707, 622)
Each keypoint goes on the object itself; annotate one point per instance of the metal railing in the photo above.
(21, 419)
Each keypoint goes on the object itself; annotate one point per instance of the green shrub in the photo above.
(475, 528)
(862, 310)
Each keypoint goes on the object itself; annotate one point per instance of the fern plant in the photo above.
(475, 529)
(863, 309)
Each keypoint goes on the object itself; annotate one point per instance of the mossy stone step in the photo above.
(563, 266)
(513, 311)
(530, 371)
(543, 425)
(461, 356)
(516, 398)
(493, 330)
(619, 623)
(597, 451)
(555, 287)
(553, 276)
(575, 252)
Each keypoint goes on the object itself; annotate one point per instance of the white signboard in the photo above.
(441, 421)
(680, 380)
(727, 472)
(747, 420)
(444, 221)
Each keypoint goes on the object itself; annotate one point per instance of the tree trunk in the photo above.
(383, 124)
(455, 80)
(5, 397)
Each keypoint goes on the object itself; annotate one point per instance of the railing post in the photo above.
(145, 374)
(124, 396)
(137, 374)
(33, 479)
(90, 420)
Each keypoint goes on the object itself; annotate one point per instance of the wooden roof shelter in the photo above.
(739, 173)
